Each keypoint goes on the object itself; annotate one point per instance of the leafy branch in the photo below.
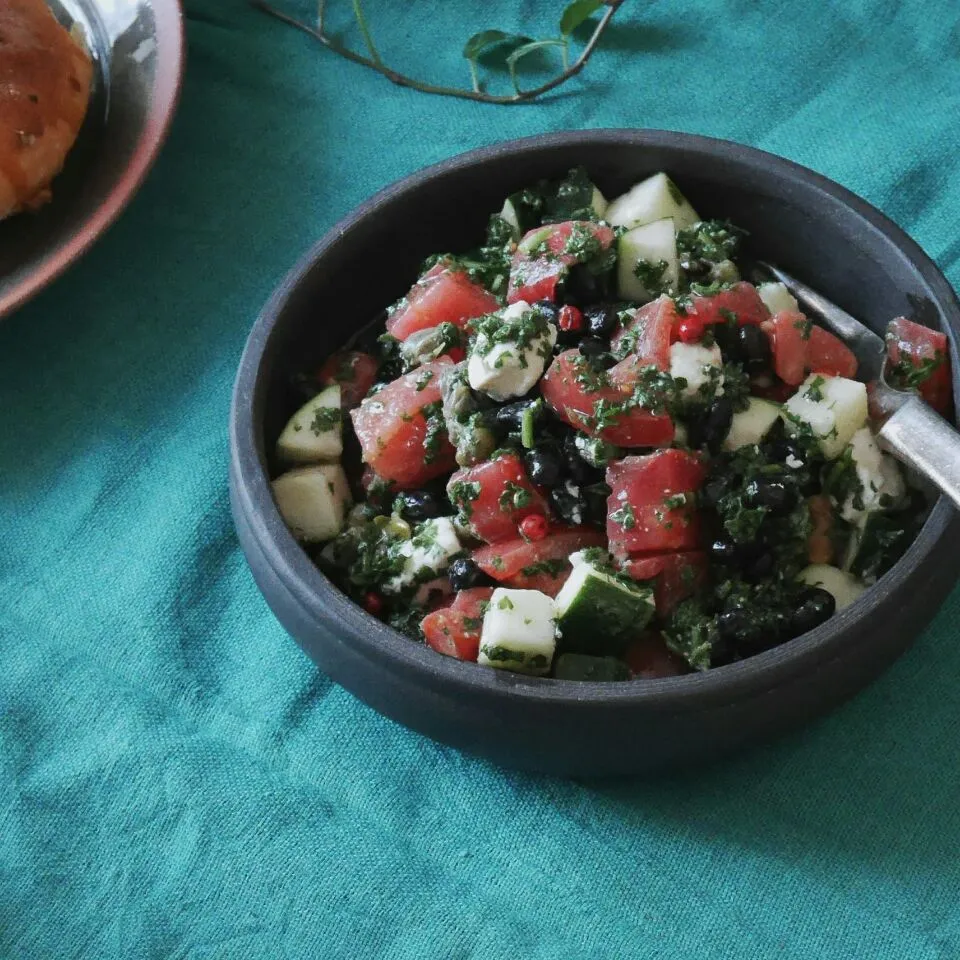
(512, 48)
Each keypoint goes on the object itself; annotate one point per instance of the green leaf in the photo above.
(487, 39)
(576, 13)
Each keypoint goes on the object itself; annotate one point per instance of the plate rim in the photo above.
(167, 86)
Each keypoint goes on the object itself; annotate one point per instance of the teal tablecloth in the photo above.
(176, 779)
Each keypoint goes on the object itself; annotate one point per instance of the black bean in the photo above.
(716, 424)
(593, 346)
(576, 468)
(721, 652)
(713, 490)
(602, 319)
(738, 626)
(544, 466)
(723, 551)
(463, 574)
(816, 606)
(421, 505)
(772, 493)
(581, 286)
(728, 341)
(754, 348)
(509, 417)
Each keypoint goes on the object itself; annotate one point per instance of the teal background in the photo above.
(177, 780)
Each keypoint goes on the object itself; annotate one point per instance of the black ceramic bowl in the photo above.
(811, 227)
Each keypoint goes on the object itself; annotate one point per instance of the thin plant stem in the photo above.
(365, 31)
(401, 80)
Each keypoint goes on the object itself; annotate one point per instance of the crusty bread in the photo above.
(45, 78)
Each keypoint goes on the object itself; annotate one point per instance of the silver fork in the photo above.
(913, 432)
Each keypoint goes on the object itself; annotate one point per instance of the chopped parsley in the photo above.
(710, 240)
(650, 274)
(514, 497)
(436, 430)
(551, 567)
(588, 375)
(423, 380)
(462, 493)
(814, 391)
(624, 517)
(805, 327)
(326, 419)
(504, 603)
(909, 373)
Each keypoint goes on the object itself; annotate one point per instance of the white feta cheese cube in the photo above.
(776, 297)
(427, 553)
(832, 408)
(509, 367)
(519, 631)
(698, 365)
(878, 474)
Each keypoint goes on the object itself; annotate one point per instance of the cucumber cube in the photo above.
(645, 247)
(313, 501)
(656, 198)
(750, 426)
(844, 587)
(598, 612)
(833, 409)
(777, 297)
(314, 434)
(579, 666)
(518, 631)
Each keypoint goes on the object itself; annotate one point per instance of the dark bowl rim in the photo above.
(757, 674)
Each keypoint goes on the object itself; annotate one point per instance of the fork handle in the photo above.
(924, 440)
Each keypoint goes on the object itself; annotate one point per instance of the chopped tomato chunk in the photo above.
(651, 508)
(518, 563)
(799, 347)
(441, 295)
(546, 253)
(596, 402)
(675, 576)
(354, 371)
(401, 430)
(741, 301)
(917, 354)
(455, 630)
(648, 334)
(495, 496)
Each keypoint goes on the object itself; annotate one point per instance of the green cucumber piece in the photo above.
(844, 587)
(750, 426)
(314, 434)
(580, 666)
(598, 612)
(644, 247)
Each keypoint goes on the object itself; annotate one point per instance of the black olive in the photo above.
(543, 466)
(716, 424)
(581, 286)
(594, 497)
(713, 490)
(509, 417)
(548, 309)
(602, 319)
(568, 506)
(816, 606)
(593, 346)
(740, 627)
(754, 348)
(728, 341)
(723, 551)
(421, 505)
(463, 574)
(577, 469)
(773, 493)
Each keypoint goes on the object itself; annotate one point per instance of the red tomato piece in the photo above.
(787, 331)
(741, 299)
(648, 335)
(649, 658)
(396, 436)
(569, 390)
(354, 371)
(914, 344)
(829, 355)
(441, 295)
(541, 260)
(454, 631)
(675, 576)
(645, 511)
(495, 496)
(515, 561)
